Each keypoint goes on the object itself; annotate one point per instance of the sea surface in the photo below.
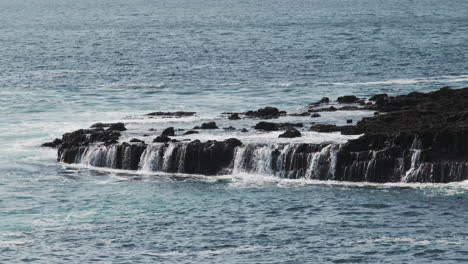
(67, 64)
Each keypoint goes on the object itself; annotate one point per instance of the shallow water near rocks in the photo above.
(66, 65)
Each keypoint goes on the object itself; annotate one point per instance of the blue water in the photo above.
(67, 64)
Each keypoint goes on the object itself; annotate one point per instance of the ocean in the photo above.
(65, 65)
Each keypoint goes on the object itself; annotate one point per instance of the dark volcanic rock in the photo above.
(162, 139)
(324, 100)
(209, 125)
(244, 130)
(419, 137)
(229, 128)
(290, 133)
(267, 126)
(111, 126)
(265, 113)
(136, 140)
(207, 158)
(190, 132)
(300, 114)
(315, 115)
(53, 144)
(117, 127)
(325, 128)
(170, 132)
(234, 116)
(172, 114)
(326, 109)
(348, 99)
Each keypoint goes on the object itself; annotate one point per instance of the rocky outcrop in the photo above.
(419, 137)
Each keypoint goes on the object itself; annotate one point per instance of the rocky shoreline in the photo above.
(418, 137)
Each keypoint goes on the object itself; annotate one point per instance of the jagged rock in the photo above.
(244, 130)
(229, 128)
(234, 116)
(169, 132)
(290, 133)
(265, 113)
(315, 115)
(162, 139)
(136, 140)
(190, 132)
(349, 121)
(172, 114)
(348, 99)
(53, 144)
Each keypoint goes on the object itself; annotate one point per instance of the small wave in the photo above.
(207, 252)
(124, 86)
(440, 79)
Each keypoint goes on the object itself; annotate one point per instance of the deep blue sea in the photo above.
(67, 64)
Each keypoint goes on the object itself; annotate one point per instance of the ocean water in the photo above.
(67, 64)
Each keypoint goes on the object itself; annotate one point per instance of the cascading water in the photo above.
(294, 160)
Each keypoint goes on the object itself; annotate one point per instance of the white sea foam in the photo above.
(440, 79)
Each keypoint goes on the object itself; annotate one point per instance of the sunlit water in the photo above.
(67, 64)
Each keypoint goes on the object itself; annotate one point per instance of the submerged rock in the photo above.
(172, 114)
(190, 132)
